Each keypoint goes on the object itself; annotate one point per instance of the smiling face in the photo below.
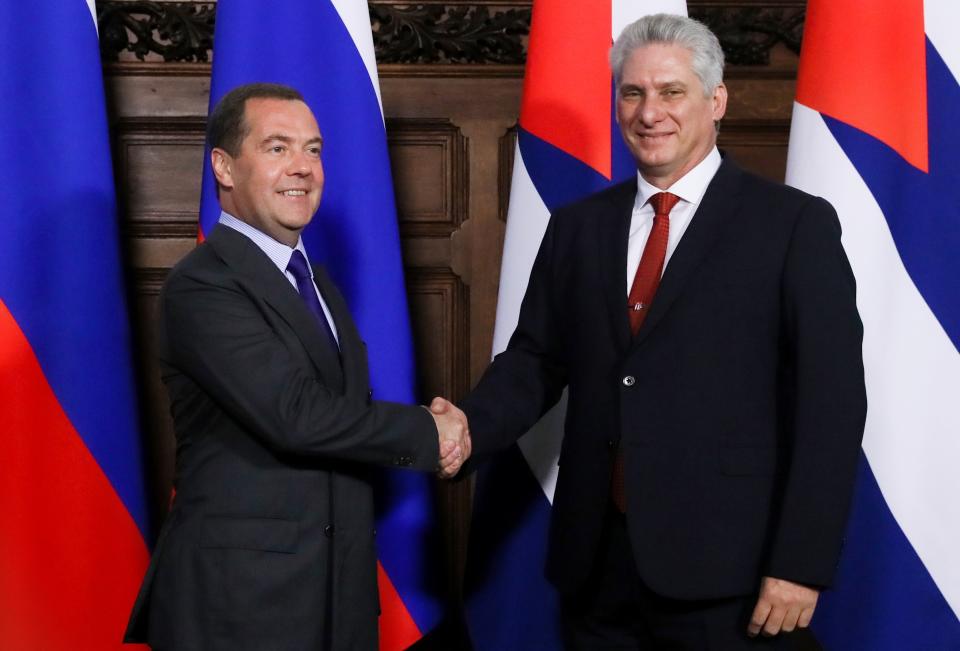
(664, 117)
(275, 181)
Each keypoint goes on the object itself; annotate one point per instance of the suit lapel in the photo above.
(615, 233)
(273, 288)
(718, 206)
(352, 351)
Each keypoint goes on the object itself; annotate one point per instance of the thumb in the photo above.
(439, 406)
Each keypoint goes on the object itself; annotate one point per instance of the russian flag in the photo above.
(568, 146)
(875, 132)
(73, 516)
(324, 49)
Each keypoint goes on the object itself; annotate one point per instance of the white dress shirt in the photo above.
(690, 188)
(279, 253)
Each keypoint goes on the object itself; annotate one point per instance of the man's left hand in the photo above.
(782, 606)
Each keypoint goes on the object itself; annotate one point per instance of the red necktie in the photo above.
(645, 284)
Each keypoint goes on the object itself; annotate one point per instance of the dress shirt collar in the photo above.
(690, 187)
(278, 252)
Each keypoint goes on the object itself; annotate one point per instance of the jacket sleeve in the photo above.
(822, 349)
(526, 379)
(213, 333)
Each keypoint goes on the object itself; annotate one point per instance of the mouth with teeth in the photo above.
(293, 193)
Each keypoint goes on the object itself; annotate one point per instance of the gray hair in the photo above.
(707, 60)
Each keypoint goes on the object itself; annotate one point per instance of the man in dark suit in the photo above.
(269, 543)
(704, 322)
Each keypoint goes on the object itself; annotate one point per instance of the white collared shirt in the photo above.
(279, 253)
(690, 188)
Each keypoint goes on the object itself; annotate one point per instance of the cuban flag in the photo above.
(875, 132)
(568, 146)
(324, 49)
(73, 514)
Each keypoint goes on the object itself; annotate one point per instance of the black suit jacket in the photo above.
(739, 405)
(270, 540)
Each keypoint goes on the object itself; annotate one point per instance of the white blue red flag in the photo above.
(73, 515)
(324, 49)
(875, 132)
(568, 146)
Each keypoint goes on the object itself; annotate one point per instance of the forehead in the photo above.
(266, 116)
(658, 63)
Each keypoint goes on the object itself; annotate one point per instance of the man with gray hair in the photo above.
(704, 321)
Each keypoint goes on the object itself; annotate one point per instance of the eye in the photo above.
(277, 149)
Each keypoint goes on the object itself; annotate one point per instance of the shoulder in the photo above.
(594, 211)
(785, 198)
(609, 200)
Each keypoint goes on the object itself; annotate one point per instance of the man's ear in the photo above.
(719, 102)
(222, 164)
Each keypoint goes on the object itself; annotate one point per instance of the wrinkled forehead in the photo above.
(658, 63)
(265, 116)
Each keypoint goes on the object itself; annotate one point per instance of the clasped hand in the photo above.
(454, 433)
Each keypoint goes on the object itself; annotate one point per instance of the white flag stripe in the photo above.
(527, 219)
(627, 11)
(92, 6)
(355, 15)
(941, 20)
(541, 447)
(912, 367)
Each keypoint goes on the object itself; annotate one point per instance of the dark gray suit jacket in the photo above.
(739, 405)
(270, 540)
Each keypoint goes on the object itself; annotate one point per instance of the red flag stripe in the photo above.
(566, 62)
(871, 76)
(71, 557)
(397, 629)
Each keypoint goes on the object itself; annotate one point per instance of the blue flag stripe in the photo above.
(922, 210)
(60, 271)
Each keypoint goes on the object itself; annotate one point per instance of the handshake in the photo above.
(454, 436)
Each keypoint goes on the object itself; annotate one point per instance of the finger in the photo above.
(790, 619)
(805, 616)
(454, 454)
(446, 447)
(439, 405)
(774, 621)
(758, 618)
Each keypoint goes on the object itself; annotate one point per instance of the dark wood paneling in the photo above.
(429, 162)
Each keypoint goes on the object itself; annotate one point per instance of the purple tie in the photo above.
(308, 292)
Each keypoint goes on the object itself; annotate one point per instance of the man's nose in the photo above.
(300, 164)
(650, 111)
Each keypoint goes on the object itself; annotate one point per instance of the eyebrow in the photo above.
(288, 139)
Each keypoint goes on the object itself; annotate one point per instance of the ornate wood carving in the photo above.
(436, 33)
(449, 33)
(748, 34)
(171, 31)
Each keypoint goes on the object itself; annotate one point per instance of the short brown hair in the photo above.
(227, 127)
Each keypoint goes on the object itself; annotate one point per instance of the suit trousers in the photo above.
(616, 611)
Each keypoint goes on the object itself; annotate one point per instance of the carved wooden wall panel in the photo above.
(451, 76)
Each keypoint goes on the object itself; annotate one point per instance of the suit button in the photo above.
(629, 380)
(329, 530)
(611, 444)
(405, 461)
